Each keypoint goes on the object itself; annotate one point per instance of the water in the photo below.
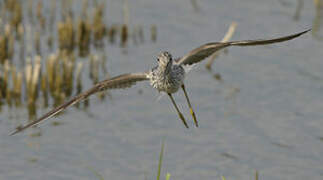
(273, 124)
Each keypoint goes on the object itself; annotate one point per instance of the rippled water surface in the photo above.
(266, 113)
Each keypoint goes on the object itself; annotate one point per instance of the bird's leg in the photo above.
(190, 106)
(179, 113)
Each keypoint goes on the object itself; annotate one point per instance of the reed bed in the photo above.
(43, 55)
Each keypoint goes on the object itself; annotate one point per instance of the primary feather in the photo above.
(202, 52)
(118, 82)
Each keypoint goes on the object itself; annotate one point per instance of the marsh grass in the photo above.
(54, 48)
(159, 168)
(160, 162)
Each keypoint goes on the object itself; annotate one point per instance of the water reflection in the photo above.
(195, 5)
(317, 32)
(299, 8)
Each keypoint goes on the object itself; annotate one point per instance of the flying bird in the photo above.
(168, 76)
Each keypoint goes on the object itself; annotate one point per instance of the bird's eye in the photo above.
(157, 59)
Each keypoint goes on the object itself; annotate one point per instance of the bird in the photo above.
(168, 76)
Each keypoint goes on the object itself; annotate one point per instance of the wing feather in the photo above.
(118, 82)
(202, 52)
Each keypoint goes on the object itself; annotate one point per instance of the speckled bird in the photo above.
(168, 76)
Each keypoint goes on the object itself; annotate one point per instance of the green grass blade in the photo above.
(160, 160)
(256, 175)
(167, 176)
(96, 173)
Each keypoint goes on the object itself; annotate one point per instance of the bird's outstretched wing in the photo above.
(202, 52)
(118, 82)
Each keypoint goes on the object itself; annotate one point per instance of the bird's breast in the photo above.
(169, 83)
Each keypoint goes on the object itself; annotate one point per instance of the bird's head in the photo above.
(164, 59)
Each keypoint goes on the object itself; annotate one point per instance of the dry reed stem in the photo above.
(6, 82)
(18, 88)
(111, 33)
(3, 48)
(124, 35)
(153, 30)
(78, 75)
(226, 38)
(35, 78)
(28, 75)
